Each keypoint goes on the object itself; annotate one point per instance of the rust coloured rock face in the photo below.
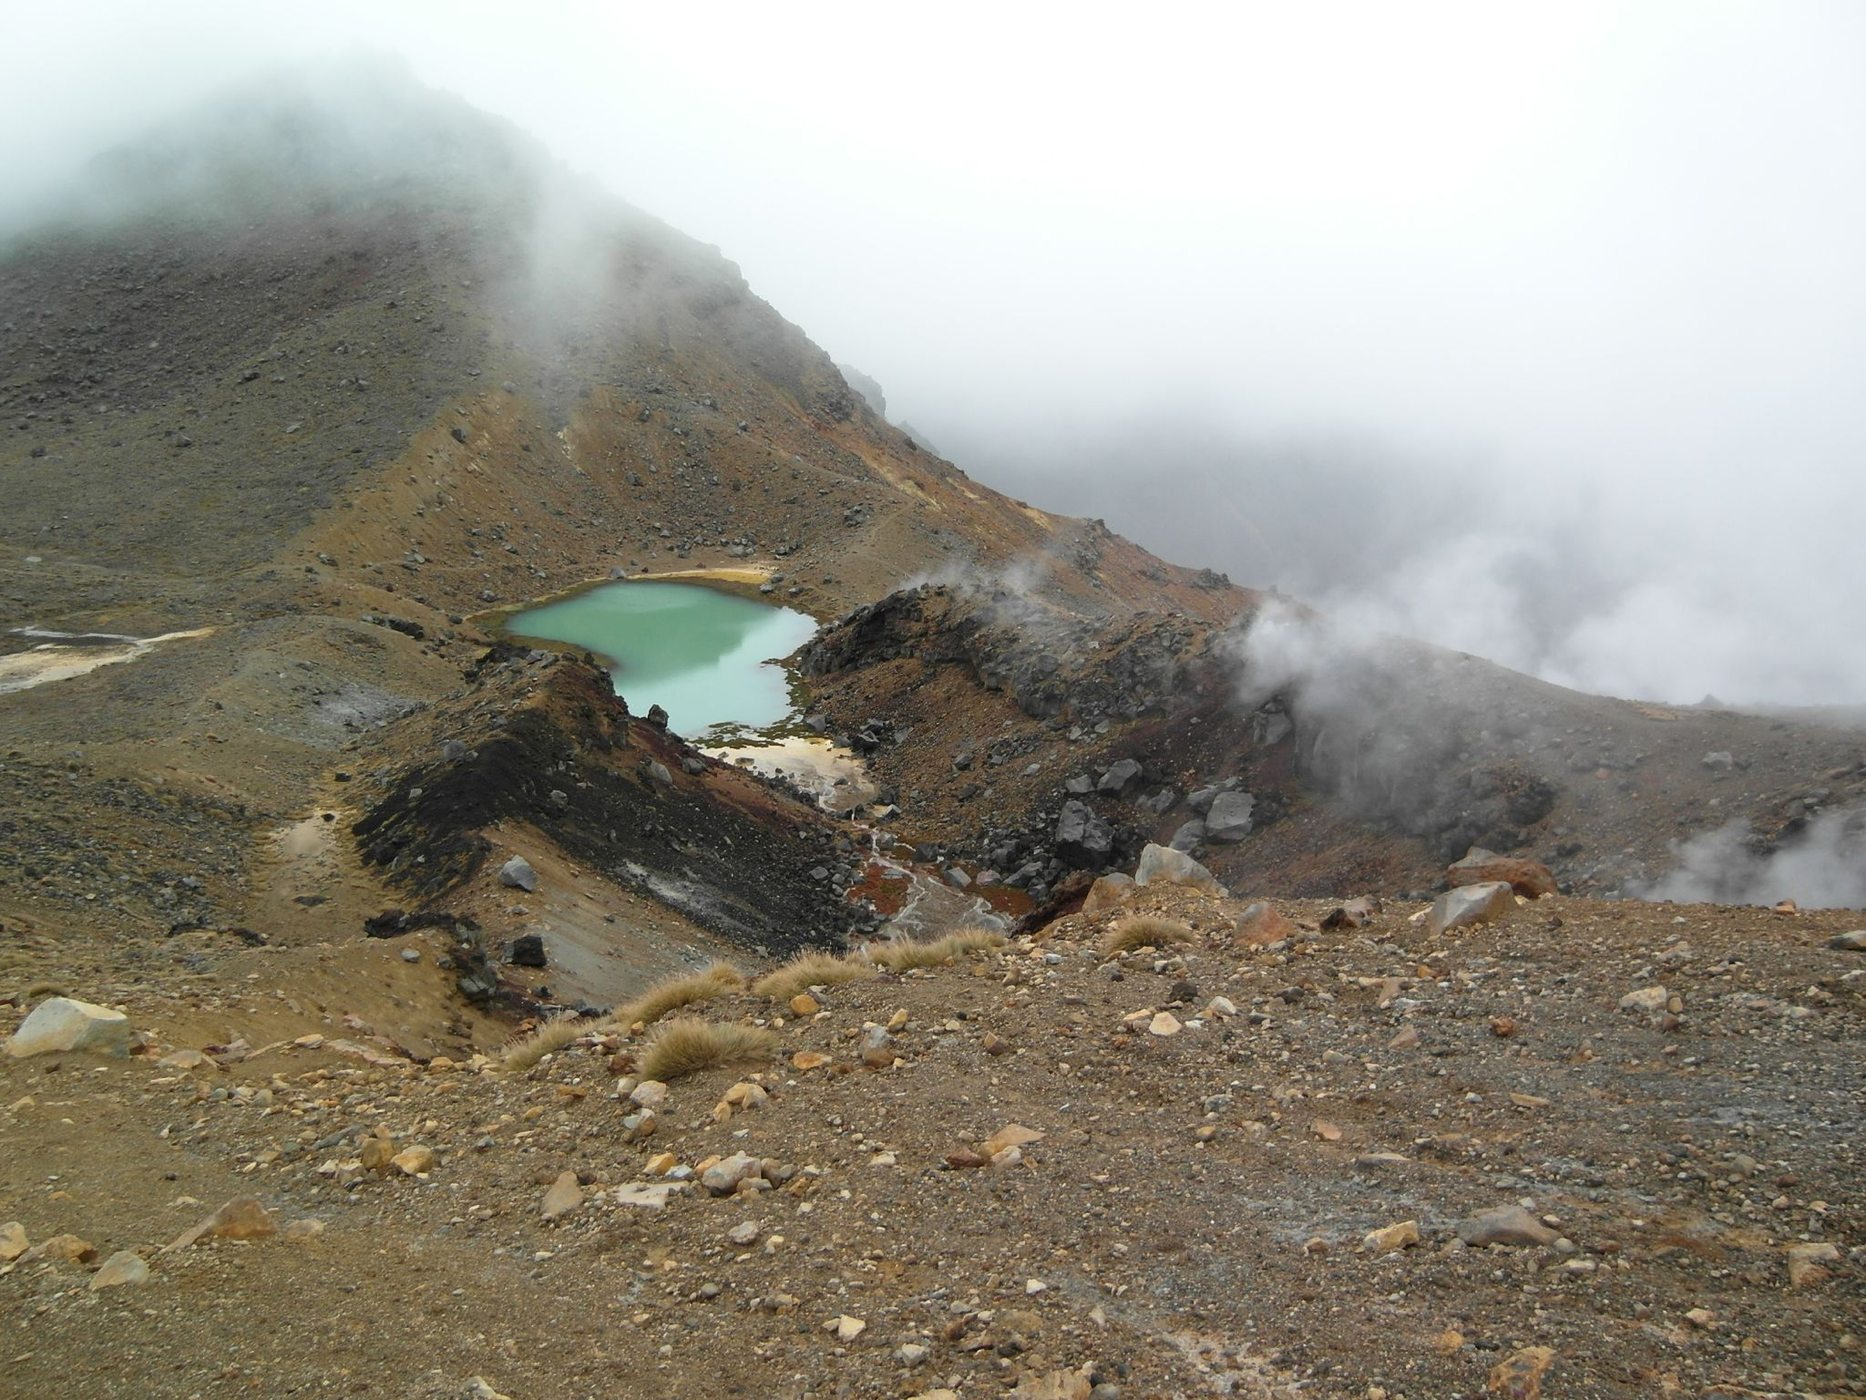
(1529, 878)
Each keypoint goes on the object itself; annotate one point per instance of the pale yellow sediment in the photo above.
(752, 576)
(25, 669)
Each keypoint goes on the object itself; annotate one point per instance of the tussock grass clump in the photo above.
(687, 1045)
(808, 970)
(688, 989)
(547, 1039)
(38, 991)
(1143, 931)
(904, 957)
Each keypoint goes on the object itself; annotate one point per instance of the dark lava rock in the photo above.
(1082, 838)
(1120, 778)
(527, 950)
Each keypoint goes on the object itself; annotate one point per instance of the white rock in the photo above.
(1162, 865)
(1647, 999)
(724, 1176)
(1471, 904)
(60, 1023)
(647, 1195)
(565, 1195)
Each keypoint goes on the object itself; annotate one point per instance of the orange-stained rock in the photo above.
(241, 1219)
(1519, 1375)
(1529, 878)
(1260, 925)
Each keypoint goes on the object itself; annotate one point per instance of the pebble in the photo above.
(243, 1218)
(12, 1241)
(378, 1152)
(414, 1161)
(1009, 1136)
(745, 1232)
(1806, 1263)
(723, 1177)
(650, 1093)
(1519, 1375)
(745, 1094)
(124, 1267)
(877, 1047)
(1164, 1023)
(63, 1249)
(1389, 1238)
(803, 1005)
(807, 1060)
(1505, 1225)
(565, 1195)
(847, 1328)
(1646, 999)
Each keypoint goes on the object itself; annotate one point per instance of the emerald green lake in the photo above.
(705, 656)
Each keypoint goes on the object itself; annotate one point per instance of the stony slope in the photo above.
(1191, 1219)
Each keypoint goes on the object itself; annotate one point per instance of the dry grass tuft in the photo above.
(1143, 931)
(547, 1039)
(38, 991)
(904, 957)
(689, 989)
(687, 1045)
(808, 970)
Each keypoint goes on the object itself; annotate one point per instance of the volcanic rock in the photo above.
(1529, 878)
(242, 1218)
(1260, 925)
(1229, 819)
(62, 1023)
(1188, 836)
(1120, 778)
(1082, 838)
(564, 1196)
(1108, 891)
(124, 1267)
(527, 950)
(1470, 904)
(1161, 865)
(1505, 1225)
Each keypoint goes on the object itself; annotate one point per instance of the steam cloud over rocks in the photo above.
(1821, 867)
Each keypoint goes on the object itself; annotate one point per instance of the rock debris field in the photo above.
(1578, 1149)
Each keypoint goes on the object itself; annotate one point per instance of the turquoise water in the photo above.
(705, 656)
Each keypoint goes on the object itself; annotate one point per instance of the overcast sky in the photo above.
(1572, 293)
